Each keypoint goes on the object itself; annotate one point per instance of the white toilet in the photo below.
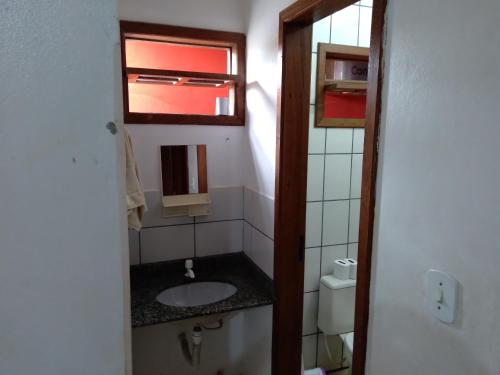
(336, 311)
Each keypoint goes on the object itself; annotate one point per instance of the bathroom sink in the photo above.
(196, 294)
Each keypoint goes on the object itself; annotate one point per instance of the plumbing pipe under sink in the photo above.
(192, 356)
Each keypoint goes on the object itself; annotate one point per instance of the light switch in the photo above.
(442, 294)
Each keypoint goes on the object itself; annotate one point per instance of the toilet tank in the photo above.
(336, 305)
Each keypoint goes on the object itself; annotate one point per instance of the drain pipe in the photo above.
(192, 357)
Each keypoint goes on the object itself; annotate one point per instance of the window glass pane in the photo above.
(171, 56)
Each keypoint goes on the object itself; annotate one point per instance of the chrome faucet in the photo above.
(189, 269)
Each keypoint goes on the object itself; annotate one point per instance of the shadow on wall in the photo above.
(261, 141)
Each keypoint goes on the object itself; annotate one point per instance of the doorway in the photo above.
(291, 180)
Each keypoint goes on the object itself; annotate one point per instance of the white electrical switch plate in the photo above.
(441, 292)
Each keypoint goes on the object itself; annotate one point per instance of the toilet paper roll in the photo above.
(341, 269)
(353, 268)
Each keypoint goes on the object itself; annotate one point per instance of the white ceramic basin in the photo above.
(196, 294)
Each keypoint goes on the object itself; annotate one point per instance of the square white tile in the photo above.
(309, 344)
(153, 217)
(321, 32)
(365, 24)
(345, 26)
(335, 222)
(227, 204)
(314, 63)
(368, 3)
(352, 251)
(337, 176)
(356, 175)
(329, 254)
(358, 141)
(354, 220)
(312, 266)
(219, 237)
(258, 210)
(335, 346)
(133, 247)
(247, 237)
(167, 243)
(260, 249)
(338, 141)
(310, 313)
(313, 224)
(316, 135)
(315, 172)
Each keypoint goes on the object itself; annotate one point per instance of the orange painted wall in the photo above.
(155, 98)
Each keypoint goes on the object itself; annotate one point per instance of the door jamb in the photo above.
(295, 31)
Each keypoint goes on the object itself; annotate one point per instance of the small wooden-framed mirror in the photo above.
(341, 84)
(184, 180)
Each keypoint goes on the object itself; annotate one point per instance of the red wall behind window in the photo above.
(157, 98)
(344, 106)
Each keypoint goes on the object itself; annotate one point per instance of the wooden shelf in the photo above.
(180, 78)
(346, 86)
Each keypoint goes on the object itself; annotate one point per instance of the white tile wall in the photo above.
(317, 136)
(354, 220)
(356, 173)
(259, 248)
(167, 243)
(313, 224)
(258, 210)
(312, 266)
(358, 141)
(338, 141)
(227, 204)
(315, 172)
(332, 224)
(310, 312)
(345, 26)
(219, 237)
(258, 241)
(335, 222)
(321, 32)
(164, 239)
(337, 176)
(365, 20)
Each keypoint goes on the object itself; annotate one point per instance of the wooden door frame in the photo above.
(295, 32)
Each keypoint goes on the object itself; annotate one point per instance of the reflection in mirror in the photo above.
(184, 169)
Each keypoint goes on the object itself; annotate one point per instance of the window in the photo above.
(179, 75)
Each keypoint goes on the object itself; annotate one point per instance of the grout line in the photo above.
(335, 244)
(336, 153)
(192, 223)
(330, 200)
(350, 188)
(258, 230)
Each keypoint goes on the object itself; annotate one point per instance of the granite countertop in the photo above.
(255, 288)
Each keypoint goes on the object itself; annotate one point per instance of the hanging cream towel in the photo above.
(136, 202)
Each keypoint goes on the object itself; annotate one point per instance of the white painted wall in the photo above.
(438, 189)
(63, 257)
(262, 91)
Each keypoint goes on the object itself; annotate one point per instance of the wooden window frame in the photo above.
(185, 35)
(295, 34)
(340, 52)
